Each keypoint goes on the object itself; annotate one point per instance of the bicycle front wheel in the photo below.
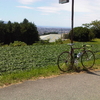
(64, 60)
(88, 59)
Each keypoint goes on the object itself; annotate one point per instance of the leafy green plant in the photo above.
(18, 43)
(13, 59)
(42, 42)
(59, 41)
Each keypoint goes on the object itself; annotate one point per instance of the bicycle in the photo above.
(67, 60)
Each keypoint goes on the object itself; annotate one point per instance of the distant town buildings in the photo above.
(43, 30)
(52, 37)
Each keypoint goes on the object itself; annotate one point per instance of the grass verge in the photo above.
(21, 76)
(8, 79)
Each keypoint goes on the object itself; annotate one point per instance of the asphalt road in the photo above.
(83, 86)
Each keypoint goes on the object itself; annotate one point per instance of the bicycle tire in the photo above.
(64, 60)
(88, 59)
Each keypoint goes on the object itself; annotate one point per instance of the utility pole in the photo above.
(72, 17)
(72, 21)
(72, 25)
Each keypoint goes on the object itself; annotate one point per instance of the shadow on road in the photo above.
(93, 73)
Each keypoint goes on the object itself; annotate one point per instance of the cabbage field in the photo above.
(13, 59)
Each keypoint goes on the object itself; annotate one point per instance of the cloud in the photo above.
(53, 8)
(27, 1)
(48, 9)
(85, 10)
(80, 6)
(86, 7)
(26, 7)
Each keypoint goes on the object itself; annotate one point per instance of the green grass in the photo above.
(31, 62)
(96, 40)
(21, 76)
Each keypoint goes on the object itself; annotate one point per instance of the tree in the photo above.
(2, 31)
(25, 32)
(95, 27)
(8, 34)
(16, 30)
(82, 34)
(1, 22)
(29, 33)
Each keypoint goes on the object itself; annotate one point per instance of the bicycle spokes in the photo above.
(88, 59)
(64, 61)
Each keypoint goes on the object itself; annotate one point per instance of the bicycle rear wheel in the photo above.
(64, 61)
(88, 59)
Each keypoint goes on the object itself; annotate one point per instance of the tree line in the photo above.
(25, 31)
(87, 32)
(94, 26)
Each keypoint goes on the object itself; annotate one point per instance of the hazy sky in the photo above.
(50, 12)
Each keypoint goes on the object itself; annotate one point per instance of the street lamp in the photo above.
(63, 1)
(72, 19)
